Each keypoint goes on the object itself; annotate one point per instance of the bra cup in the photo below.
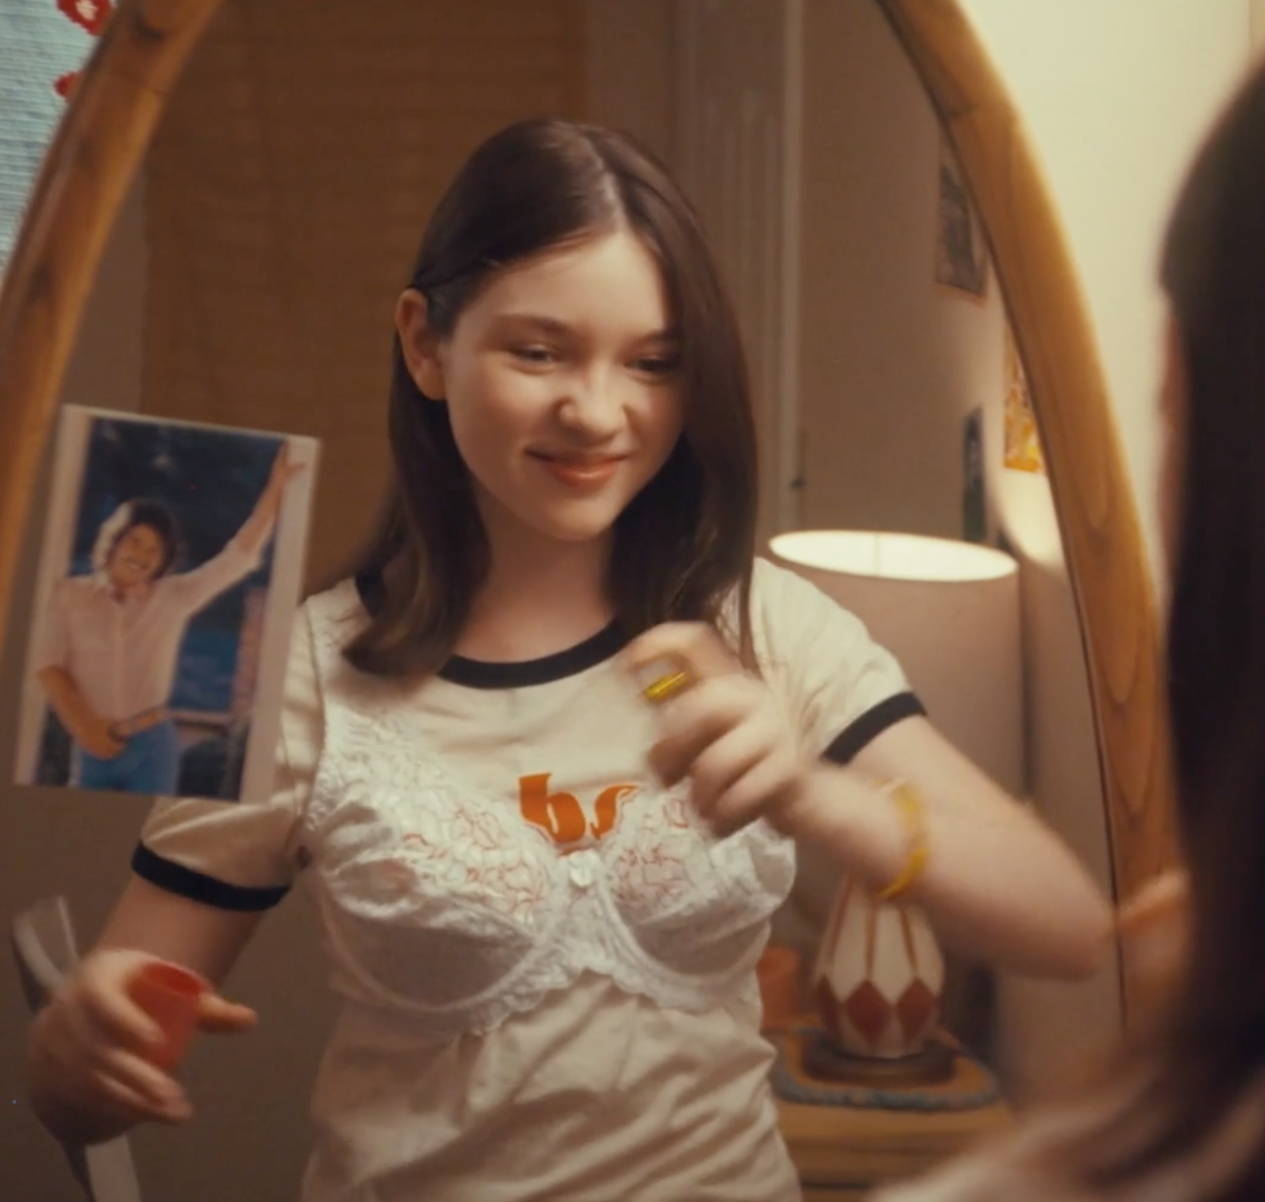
(693, 902)
(436, 899)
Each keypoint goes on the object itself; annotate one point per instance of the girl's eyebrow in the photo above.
(550, 325)
(559, 329)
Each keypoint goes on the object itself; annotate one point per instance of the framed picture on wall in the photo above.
(1022, 441)
(961, 252)
(169, 571)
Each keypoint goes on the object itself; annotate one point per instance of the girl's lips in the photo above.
(580, 474)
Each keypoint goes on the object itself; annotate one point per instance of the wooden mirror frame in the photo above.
(121, 95)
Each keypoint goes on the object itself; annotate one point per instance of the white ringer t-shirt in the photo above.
(546, 961)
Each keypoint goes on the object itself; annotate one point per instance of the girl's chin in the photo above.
(576, 529)
(574, 521)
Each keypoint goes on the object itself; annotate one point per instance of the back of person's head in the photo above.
(139, 511)
(688, 537)
(1214, 274)
(1200, 1119)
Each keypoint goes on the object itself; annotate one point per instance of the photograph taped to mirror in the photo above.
(169, 573)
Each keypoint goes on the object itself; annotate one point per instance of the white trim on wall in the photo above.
(736, 152)
(787, 417)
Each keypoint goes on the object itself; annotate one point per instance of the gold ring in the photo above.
(666, 687)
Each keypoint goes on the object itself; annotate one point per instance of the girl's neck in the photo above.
(541, 596)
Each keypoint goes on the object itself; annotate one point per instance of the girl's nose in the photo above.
(591, 406)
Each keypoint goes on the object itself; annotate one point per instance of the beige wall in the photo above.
(890, 362)
(628, 68)
(1115, 97)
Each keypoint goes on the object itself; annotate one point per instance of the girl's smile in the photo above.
(580, 472)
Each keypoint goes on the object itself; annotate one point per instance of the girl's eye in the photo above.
(535, 354)
(657, 365)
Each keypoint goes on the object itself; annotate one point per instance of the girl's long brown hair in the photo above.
(686, 542)
(1211, 1056)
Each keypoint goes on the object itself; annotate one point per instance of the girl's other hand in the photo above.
(724, 730)
(89, 1064)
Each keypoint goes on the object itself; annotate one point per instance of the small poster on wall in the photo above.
(1022, 441)
(974, 498)
(169, 572)
(961, 252)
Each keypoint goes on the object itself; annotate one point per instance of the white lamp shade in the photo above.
(949, 612)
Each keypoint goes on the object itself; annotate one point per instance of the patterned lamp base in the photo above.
(879, 976)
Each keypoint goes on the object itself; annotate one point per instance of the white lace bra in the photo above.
(459, 913)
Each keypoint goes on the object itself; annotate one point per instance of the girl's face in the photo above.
(136, 557)
(562, 383)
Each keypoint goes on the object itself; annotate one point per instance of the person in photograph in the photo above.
(111, 640)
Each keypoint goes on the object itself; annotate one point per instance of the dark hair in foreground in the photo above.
(687, 539)
(1213, 1050)
(140, 511)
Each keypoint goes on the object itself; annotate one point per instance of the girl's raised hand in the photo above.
(90, 1066)
(723, 729)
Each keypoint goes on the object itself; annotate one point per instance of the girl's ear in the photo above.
(423, 350)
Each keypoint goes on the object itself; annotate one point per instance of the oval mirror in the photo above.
(910, 312)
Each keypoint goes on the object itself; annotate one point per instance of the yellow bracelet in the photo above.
(914, 819)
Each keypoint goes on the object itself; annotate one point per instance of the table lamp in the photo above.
(949, 612)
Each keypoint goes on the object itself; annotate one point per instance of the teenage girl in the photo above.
(544, 895)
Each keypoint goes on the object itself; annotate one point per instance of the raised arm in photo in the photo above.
(241, 553)
(256, 529)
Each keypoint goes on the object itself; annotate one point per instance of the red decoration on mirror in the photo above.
(91, 14)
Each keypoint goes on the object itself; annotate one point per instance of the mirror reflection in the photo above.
(254, 280)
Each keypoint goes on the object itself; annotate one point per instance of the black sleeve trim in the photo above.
(871, 724)
(197, 886)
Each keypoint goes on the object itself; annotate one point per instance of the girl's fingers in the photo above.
(750, 795)
(110, 1015)
(722, 764)
(129, 1106)
(83, 1026)
(218, 1014)
(695, 719)
(113, 1078)
(126, 1076)
(692, 646)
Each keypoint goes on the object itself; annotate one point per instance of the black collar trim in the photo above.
(486, 674)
